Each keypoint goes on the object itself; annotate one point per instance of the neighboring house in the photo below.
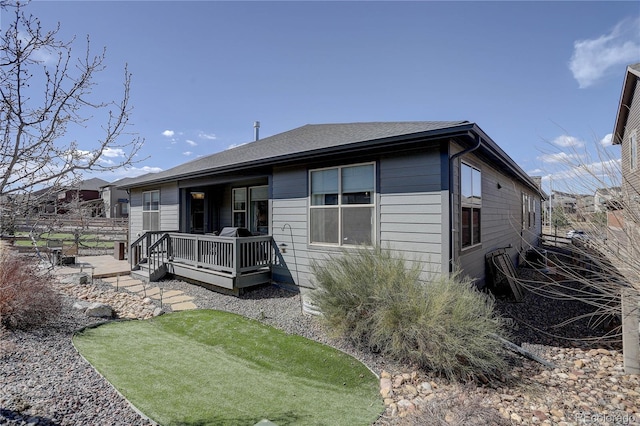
(584, 207)
(626, 133)
(605, 197)
(115, 200)
(442, 193)
(567, 202)
(85, 194)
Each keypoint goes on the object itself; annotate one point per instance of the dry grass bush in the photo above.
(26, 296)
(377, 300)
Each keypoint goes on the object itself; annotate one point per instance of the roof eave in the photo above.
(394, 141)
(626, 95)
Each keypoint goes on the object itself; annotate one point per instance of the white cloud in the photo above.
(113, 152)
(191, 143)
(566, 141)
(607, 140)
(593, 59)
(559, 157)
(168, 133)
(209, 136)
(187, 153)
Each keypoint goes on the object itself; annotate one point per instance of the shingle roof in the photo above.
(302, 140)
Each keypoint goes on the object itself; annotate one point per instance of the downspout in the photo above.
(451, 230)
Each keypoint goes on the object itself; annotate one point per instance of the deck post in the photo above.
(630, 339)
(236, 257)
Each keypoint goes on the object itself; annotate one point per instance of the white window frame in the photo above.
(233, 206)
(474, 205)
(248, 207)
(149, 209)
(340, 206)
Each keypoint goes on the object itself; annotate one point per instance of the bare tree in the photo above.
(44, 92)
(600, 267)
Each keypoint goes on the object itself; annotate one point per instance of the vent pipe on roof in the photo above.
(256, 129)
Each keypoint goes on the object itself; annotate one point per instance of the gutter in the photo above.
(451, 230)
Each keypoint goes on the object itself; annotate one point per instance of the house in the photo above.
(605, 197)
(442, 193)
(626, 133)
(84, 194)
(115, 200)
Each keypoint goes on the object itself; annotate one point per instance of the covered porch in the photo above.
(228, 263)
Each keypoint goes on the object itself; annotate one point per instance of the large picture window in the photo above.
(342, 205)
(471, 203)
(151, 211)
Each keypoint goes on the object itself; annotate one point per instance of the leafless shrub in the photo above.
(26, 296)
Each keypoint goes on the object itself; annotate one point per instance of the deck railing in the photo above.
(232, 255)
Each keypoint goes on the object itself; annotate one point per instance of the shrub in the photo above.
(26, 297)
(378, 301)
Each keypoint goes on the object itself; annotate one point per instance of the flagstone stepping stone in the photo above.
(183, 306)
(153, 292)
(177, 299)
(171, 293)
(135, 288)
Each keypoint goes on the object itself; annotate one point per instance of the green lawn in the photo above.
(86, 240)
(207, 367)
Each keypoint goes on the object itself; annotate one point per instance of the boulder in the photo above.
(79, 278)
(99, 310)
(81, 305)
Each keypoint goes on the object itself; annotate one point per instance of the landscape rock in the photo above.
(81, 305)
(77, 278)
(100, 310)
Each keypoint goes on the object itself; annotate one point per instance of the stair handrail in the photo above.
(139, 249)
(157, 258)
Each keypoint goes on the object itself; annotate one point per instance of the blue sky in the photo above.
(538, 77)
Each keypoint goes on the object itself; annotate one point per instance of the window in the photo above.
(471, 202)
(240, 207)
(257, 207)
(342, 205)
(151, 211)
(633, 151)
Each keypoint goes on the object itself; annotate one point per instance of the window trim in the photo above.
(150, 210)
(247, 207)
(233, 205)
(473, 206)
(340, 206)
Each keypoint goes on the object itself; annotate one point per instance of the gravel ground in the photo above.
(46, 382)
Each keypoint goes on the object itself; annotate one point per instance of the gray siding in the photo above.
(632, 177)
(289, 225)
(410, 208)
(501, 219)
(409, 215)
(169, 209)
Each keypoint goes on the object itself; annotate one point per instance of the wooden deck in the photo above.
(229, 263)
